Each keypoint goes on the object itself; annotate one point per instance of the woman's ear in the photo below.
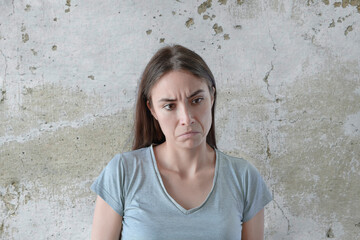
(148, 104)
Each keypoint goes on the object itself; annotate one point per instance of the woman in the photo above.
(176, 184)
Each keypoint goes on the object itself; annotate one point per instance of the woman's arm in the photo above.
(107, 223)
(254, 228)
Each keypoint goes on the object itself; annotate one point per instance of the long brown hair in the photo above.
(170, 58)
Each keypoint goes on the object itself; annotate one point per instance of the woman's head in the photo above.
(168, 59)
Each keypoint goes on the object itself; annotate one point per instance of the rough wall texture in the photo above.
(289, 101)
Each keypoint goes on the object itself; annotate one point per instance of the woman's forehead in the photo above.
(178, 82)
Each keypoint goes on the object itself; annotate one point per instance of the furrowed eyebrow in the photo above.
(173, 100)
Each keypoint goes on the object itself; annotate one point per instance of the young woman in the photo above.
(176, 184)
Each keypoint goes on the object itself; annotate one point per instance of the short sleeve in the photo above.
(257, 195)
(109, 185)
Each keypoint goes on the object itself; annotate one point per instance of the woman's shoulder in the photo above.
(239, 164)
(132, 157)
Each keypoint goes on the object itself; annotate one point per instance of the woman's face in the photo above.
(182, 103)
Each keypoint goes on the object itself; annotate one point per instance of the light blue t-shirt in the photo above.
(131, 184)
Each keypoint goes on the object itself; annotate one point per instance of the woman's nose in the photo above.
(186, 117)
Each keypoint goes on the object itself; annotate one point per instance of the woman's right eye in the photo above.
(169, 106)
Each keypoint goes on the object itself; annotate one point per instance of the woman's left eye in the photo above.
(197, 100)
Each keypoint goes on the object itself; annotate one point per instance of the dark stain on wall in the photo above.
(345, 4)
(27, 8)
(348, 29)
(25, 37)
(240, 2)
(330, 234)
(189, 22)
(218, 29)
(205, 5)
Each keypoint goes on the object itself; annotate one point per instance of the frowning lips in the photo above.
(189, 133)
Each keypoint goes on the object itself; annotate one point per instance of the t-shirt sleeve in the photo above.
(110, 185)
(257, 195)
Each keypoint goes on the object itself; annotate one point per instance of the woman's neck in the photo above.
(183, 161)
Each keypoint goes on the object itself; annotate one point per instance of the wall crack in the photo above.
(265, 79)
(283, 213)
(2, 86)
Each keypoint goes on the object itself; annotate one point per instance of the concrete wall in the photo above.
(289, 102)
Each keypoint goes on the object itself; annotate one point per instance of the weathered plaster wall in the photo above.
(288, 75)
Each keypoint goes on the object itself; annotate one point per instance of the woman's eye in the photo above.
(197, 100)
(169, 106)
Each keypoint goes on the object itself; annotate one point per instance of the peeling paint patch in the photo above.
(67, 10)
(348, 29)
(206, 17)
(332, 24)
(68, 3)
(33, 52)
(25, 37)
(32, 69)
(354, 2)
(217, 29)
(337, 4)
(222, 2)
(226, 36)
(238, 27)
(91, 77)
(23, 28)
(205, 5)
(326, 2)
(352, 125)
(54, 47)
(162, 40)
(27, 7)
(148, 32)
(345, 3)
(189, 22)
(240, 2)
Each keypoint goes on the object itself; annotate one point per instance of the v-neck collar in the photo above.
(183, 210)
